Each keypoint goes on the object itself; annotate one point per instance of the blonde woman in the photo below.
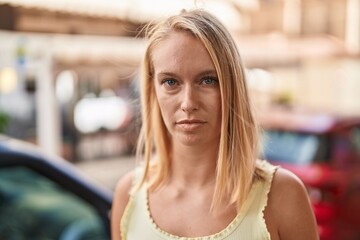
(201, 178)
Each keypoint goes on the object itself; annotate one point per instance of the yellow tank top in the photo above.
(249, 224)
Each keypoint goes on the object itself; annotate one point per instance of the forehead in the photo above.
(180, 51)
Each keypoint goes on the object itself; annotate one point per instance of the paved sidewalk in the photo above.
(107, 171)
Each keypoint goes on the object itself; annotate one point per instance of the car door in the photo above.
(33, 206)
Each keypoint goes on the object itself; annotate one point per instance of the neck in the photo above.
(193, 166)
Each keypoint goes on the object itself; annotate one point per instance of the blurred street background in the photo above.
(107, 171)
(69, 69)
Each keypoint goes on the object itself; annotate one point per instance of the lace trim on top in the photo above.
(124, 223)
(220, 235)
(264, 199)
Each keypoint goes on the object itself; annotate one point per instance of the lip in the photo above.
(190, 124)
(189, 121)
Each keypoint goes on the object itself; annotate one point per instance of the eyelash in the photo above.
(173, 82)
(166, 81)
(213, 79)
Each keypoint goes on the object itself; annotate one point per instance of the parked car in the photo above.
(323, 150)
(44, 197)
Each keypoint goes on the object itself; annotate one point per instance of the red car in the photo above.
(324, 152)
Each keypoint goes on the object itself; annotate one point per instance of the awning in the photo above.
(139, 11)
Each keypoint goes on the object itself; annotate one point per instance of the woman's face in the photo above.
(187, 90)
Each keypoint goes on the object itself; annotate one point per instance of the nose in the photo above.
(189, 101)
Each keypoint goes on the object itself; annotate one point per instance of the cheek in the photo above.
(165, 108)
(217, 101)
(159, 98)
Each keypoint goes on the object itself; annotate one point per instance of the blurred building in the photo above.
(55, 73)
(304, 53)
(66, 57)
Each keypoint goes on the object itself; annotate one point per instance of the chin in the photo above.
(189, 140)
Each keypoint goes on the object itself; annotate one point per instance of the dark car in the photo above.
(323, 150)
(44, 197)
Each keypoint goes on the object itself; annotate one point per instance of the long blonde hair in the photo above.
(238, 149)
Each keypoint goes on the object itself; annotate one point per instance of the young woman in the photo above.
(201, 178)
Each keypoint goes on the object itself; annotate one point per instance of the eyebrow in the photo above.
(167, 74)
(202, 73)
(208, 72)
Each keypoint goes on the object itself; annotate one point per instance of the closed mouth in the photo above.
(190, 121)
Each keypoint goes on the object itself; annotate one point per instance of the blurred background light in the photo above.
(93, 113)
(260, 79)
(65, 86)
(8, 80)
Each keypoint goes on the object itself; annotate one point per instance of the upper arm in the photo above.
(290, 207)
(121, 198)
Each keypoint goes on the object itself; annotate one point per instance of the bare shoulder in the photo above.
(124, 185)
(285, 181)
(121, 198)
(289, 207)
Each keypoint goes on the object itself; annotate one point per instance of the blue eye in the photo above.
(209, 80)
(169, 82)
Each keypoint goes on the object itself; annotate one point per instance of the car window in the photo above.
(347, 147)
(355, 140)
(34, 207)
(293, 147)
